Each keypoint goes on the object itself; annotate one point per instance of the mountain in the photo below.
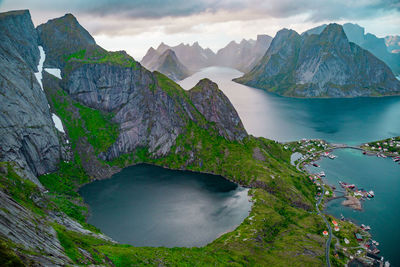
(320, 65)
(27, 133)
(194, 57)
(370, 42)
(393, 43)
(116, 113)
(52, 37)
(244, 55)
(167, 63)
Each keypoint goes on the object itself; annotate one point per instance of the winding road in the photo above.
(328, 242)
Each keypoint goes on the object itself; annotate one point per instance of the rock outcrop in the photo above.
(367, 41)
(168, 64)
(53, 35)
(321, 65)
(150, 109)
(244, 55)
(27, 133)
(216, 107)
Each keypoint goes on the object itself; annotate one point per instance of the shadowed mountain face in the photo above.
(27, 133)
(245, 55)
(379, 47)
(53, 35)
(167, 63)
(320, 65)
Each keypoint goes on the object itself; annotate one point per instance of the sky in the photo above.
(135, 25)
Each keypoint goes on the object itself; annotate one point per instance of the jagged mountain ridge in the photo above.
(377, 46)
(241, 56)
(324, 65)
(245, 55)
(27, 133)
(193, 57)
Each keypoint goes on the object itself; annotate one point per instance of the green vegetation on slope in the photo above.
(97, 55)
(95, 125)
(279, 231)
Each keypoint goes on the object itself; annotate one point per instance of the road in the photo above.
(328, 242)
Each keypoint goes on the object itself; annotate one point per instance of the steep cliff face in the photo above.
(321, 65)
(149, 108)
(167, 63)
(367, 41)
(216, 107)
(53, 35)
(27, 133)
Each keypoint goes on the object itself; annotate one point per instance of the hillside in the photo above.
(320, 65)
(115, 114)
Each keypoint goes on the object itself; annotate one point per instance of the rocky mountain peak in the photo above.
(210, 101)
(63, 36)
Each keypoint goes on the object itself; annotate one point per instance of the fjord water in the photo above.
(346, 120)
(382, 213)
(146, 205)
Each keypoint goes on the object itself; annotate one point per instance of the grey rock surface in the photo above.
(61, 37)
(216, 107)
(321, 65)
(27, 133)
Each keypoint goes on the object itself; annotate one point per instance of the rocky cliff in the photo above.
(321, 65)
(244, 55)
(216, 107)
(367, 41)
(167, 63)
(150, 109)
(27, 133)
(52, 36)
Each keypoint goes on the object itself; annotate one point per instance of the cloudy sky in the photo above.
(135, 25)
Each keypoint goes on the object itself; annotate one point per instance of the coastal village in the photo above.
(353, 244)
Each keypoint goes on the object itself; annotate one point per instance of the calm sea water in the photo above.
(349, 120)
(146, 205)
(382, 213)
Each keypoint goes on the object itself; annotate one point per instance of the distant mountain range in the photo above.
(321, 62)
(166, 63)
(242, 56)
(245, 55)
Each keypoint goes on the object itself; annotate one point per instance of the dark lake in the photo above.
(146, 205)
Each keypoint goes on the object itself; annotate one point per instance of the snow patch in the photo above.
(57, 122)
(54, 71)
(40, 66)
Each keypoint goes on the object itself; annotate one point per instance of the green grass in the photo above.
(97, 55)
(95, 125)
(21, 190)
